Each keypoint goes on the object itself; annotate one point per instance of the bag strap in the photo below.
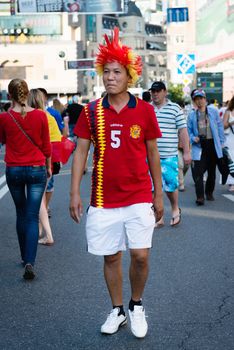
(23, 131)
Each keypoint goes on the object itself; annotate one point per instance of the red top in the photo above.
(120, 174)
(19, 150)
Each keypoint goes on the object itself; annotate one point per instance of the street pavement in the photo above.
(188, 298)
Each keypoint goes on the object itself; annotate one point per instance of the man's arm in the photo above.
(155, 171)
(78, 167)
(184, 140)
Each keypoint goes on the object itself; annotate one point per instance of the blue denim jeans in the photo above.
(50, 185)
(27, 185)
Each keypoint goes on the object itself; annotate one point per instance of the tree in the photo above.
(175, 93)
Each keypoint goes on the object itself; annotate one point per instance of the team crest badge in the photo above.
(135, 131)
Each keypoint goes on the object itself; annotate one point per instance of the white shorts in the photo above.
(107, 229)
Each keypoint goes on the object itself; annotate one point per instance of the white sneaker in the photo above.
(139, 326)
(113, 322)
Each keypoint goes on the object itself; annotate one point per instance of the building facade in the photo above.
(36, 47)
(146, 38)
(214, 42)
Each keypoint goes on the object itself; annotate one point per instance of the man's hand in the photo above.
(187, 158)
(158, 207)
(76, 208)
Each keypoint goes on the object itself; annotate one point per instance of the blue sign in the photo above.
(185, 63)
(177, 14)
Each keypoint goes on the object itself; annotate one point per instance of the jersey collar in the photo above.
(131, 103)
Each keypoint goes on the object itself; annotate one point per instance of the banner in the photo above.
(80, 6)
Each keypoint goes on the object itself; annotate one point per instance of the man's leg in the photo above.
(175, 211)
(170, 185)
(113, 277)
(138, 272)
(181, 170)
(173, 198)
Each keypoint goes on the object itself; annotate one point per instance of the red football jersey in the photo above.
(120, 170)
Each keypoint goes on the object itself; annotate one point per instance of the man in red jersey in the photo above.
(123, 130)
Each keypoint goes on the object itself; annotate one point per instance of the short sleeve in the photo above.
(180, 119)
(82, 129)
(152, 128)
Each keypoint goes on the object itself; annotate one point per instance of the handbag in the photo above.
(226, 165)
(56, 157)
(67, 148)
(229, 160)
(55, 165)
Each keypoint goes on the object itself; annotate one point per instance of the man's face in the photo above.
(158, 96)
(115, 78)
(200, 102)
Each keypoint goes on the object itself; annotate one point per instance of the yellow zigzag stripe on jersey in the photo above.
(101, 147)
(86, 108)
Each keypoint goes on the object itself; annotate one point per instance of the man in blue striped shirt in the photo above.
(173, 126)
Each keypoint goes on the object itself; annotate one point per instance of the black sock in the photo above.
(121, 309)
(132, 303)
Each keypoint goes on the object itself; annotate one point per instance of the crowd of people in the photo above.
(141, 139)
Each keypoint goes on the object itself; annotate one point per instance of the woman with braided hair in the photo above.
(24, 130)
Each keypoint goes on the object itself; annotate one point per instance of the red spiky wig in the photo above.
(115, 51)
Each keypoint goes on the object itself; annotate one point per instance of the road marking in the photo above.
(207, 213)
(3, 191)
(229, 196)
(64, 172)
(2, 179)
(68, 171)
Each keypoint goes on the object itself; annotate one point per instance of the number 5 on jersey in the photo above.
(115, 139)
